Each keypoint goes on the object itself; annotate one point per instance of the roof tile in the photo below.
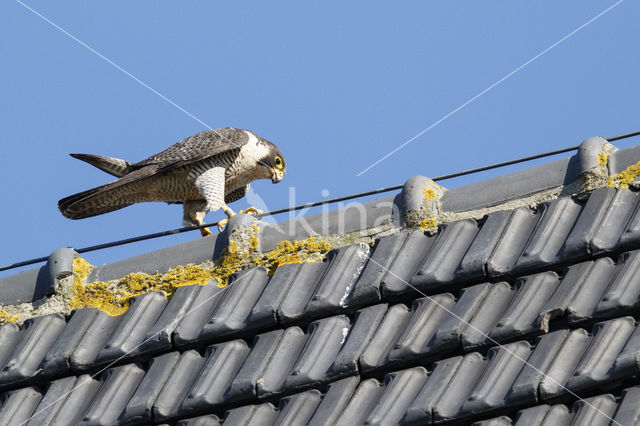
(140, 405)
(19, 405)
(131, 330)
(118, 385)
(544, 246)
(232, 314)
(222, 364)
(441, 263)
(36, 337)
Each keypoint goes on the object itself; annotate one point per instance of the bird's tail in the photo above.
(92, 202)
(113, 166)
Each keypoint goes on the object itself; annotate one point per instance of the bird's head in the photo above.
(274, 164)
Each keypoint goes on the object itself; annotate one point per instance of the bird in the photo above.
(203, 172)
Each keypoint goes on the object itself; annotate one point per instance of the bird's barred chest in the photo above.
(242, 167)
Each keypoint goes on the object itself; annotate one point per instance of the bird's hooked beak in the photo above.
(276, 175)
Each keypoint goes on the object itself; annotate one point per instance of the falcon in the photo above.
(204, 172)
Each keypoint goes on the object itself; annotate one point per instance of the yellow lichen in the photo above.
(625, 177)
(427, 224)
(430, 194)
(114, 297)
(287, 252)
(5, 317)
(603, 157)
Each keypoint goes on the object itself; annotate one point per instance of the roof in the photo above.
(509, 301)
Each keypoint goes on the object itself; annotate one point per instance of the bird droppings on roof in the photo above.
(627, 177)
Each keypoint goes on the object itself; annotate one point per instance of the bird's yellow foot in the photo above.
(222, 223)
(205, 232)
(251, 210)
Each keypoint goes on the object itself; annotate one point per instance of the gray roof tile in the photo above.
(525, 278)
(614, 220)
(288, 347)
(596, 411)
(46, 412)
(498, 421)
(367, 288)
(208, 420)
(406, 263)
(298, 409)
(630, 238)
(19, 405)
(222, 364)
(556, 219)
(93, 340)
(624, 289)
(563, 364)
(441, 263)
(449, 332)
(485, 319)
(305, 278)
(543, 415)
(77, 401)
(133, 327)
(608, 340)
(232, 314)
(578, 292)
(513, 240)
(463, 378)
(177, 385)
(473, 265)
(325, 340)
(335, 287)
(118, 386)
(532, 293)
(578, 242)
(159, 336)
(251, 415)
(363, 402)
(203, 304)
(505, 364)
(244, 385)
(525, 387)
(427, 315)
(364, 324)
(629, 409)
(334, 401)
(400, 389)
(10, 335)
(36, 337)
(140, 405)
(394, 322)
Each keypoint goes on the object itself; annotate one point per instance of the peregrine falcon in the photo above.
(204, 172)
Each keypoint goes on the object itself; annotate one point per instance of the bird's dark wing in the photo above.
(196, 148)
(237, 194)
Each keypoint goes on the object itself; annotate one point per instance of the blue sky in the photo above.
(335, 85)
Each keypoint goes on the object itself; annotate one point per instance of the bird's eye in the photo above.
(278, 162)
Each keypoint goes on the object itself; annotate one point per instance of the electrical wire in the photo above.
(313, 204)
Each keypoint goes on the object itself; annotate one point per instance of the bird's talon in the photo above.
(222, 224)
(205, 232)
(251, 210)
